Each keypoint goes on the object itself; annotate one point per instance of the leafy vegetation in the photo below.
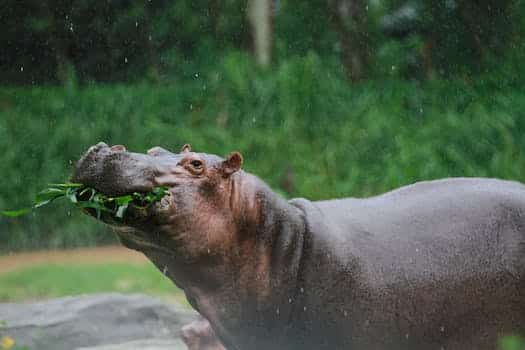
(89, 198)
(303, 128)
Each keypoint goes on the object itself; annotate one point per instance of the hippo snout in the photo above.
(115, 171)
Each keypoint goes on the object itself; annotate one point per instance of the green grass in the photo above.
(49, 281)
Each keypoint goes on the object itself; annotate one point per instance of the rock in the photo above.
(142, 345)
(96, 322)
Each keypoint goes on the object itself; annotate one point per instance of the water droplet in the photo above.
(345, 313)
(209, 251)
(136, 24)
(125, 60)
(277, 311)
(165, 270)
(253, 120)
(71, 27)
(289, 300)
(21, 68)
(442, 328)
(196, 75)
(69, 213)
(393, 68)
(304, 308)
(406, 336)
(302, 290)
(149, 37)
(191, 106)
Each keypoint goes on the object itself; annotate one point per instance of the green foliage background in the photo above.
(159, 72)
(302, 119)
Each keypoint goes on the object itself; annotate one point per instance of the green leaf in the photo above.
(66, 185)
(122, 200)
(14, 213)
(48, 195)
(121, 210)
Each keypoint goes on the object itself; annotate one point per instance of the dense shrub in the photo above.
(303, 128)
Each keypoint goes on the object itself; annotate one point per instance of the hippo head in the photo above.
(190, 220)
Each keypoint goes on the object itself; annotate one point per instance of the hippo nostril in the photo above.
(118, 148)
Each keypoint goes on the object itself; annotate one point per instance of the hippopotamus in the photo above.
(433, 265)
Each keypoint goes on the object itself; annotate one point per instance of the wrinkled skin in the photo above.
(434, 265)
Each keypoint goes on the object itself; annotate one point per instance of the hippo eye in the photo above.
(196, 163)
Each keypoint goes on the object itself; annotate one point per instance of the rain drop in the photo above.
(136, 24)
(345, 313)
(442, 328)
(196, 75)
(302, 290)
(277, 311)
(125, 60)
(165, 270)
(289, 300)
(22, 68)
(304, 308)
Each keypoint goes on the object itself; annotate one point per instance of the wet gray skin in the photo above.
(115, 171)
(433, 265)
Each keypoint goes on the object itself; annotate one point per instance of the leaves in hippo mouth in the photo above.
(90, 199)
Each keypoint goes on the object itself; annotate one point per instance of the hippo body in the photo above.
(435, 265)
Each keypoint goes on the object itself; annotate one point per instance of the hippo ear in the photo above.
(186, 148)
(232, 163)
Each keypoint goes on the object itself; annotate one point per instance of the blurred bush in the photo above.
(136, 40)
(302, 127)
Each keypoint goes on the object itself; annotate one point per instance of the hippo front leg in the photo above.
(199, 335)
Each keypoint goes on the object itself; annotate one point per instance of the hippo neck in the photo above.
(271, 259)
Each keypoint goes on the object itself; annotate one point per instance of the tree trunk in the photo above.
(350, 20)
(259, 14)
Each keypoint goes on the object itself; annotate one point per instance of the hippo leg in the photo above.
(199, 335)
